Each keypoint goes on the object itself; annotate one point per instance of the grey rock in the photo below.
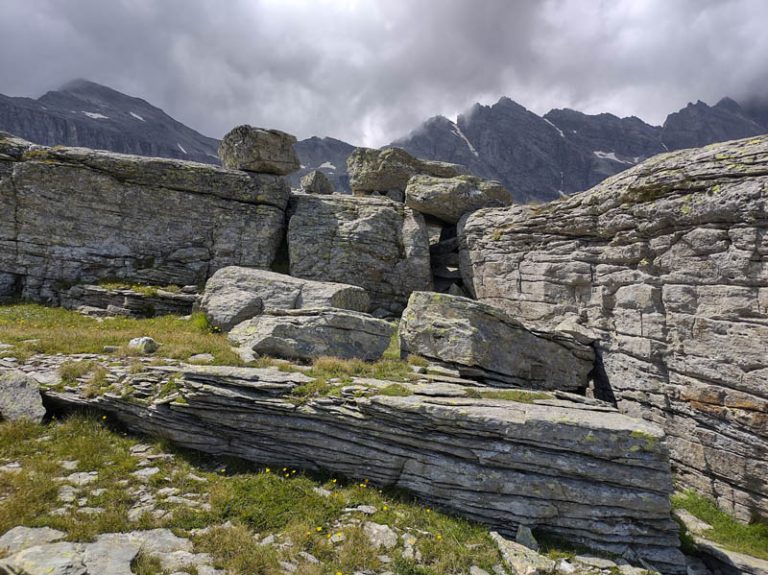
(524, 536)
(202, 358)
(380, 536)
(667, 266)
(100, 301)
(82, 478)
(143, 345)
(74, 216)
(20, 538)
(388, 171)
(311, 333)
(450, 198)
(259, 150)
(520, 559)
(368, 242)
(50, 559)
(316, 182)
(234, 294)
(20, 397)
(583, 473)
(479, 338)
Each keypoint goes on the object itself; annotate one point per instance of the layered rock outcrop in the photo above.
(583, 473)
(667, 265)
(373, 243)
(73, 215)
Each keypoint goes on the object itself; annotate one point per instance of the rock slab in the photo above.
(310, 333)
(481, 340)
(20, 397)
(258, 150)
(234, 294)
(450, 198)
(667, 265)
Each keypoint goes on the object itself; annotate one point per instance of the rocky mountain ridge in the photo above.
(537, 158)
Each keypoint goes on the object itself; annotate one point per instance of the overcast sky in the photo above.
(368, 71)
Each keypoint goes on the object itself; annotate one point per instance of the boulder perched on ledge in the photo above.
(258, 150)
(587, 475)
(483, 341)
(234, 294)
(450, 198)
(310, 333)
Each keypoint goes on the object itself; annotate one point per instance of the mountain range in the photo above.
(538, 158)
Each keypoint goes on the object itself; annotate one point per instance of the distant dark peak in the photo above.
(81, 84)
(730, 105)
(505, 103)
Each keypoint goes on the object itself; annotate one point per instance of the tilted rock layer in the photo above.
(73, 215)
(667, 264)
(586, 474)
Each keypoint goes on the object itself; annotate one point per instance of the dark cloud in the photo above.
(368, 71)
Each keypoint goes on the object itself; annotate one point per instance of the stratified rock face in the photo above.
(20, 397)
(450, 198)
(588, 475)
(316, 182)
(373, 243)
(234, 294)
(668, 265)
(311, 333)
(258, 150)
(483, 340)
(73, 215)
(388, 171)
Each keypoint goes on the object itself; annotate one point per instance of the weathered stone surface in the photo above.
(234, 294)
(520, 559)
(99, 300)
(450, 198)
(19, 397)
(73, 216)
(373, 243)
(589, 475)
(316, 182)
(259, 150)
(311, 333)
(387, 171)
(480, 340)
(143, 345)
(19, 538)
(667, 264)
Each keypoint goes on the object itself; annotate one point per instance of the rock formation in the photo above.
(667, 264)
(485, 343)
(234, 294)
(316, 182)
(306, 334)
(583, 473)
(373, 243)
(73, 215)
(19, 397)
(258, 150)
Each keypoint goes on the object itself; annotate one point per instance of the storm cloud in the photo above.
(369, 71)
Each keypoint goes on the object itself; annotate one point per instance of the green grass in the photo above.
(750, 539)
(56, 330)
(276, 501)
(516, 395)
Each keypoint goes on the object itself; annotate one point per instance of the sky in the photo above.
(369, 71)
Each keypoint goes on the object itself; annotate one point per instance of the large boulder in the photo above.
(373, 243)
(20, 397)
(234, 294)
(258, 150)
(450, 198)
(667, 264)
(316, 182)
(73, 216)
(387, 171)
(483, 341)
(310, 333)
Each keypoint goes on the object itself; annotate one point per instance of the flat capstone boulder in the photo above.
(20, 397)
(258, 150)
(235, 294)
(483, 341)
(306, 334)
(450, 198)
